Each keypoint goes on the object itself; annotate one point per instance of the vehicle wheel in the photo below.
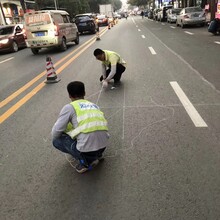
(35, 51)
(203, 24)
(77, 39)
(177, 24)
(14, 47)
(93, 31)
(63, 46)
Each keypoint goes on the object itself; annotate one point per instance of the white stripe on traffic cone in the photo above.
(51, 74)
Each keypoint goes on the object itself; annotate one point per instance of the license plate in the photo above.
(39, 34)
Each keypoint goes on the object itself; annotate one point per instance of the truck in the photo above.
(106, 9)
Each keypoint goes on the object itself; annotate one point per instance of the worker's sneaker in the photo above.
(94, 163)
(81, 169)
(101, 158)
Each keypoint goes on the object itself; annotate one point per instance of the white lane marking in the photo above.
(139, 30)
(142, 36)
(187, 32)
(152, 50)
(190, 109)
(172, 27)
(162, 23)
(189, 66)
(7, 60)
(217, 42)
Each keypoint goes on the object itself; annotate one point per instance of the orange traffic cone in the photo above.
(51, 74)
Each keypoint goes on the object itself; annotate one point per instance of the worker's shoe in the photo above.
(117, 84)
(101, 158)
(94, 163)
(81, 168)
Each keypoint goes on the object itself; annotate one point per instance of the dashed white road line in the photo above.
(162, 23)
(6, 60)
(142, 36)
(139, 30)
(187, 32)
(152, 50)
(217, 42)
(172, 27)
(190, 109)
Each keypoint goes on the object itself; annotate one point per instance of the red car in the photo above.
(12, 37)
(102, 20)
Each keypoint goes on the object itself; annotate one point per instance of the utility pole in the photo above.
(55, 3)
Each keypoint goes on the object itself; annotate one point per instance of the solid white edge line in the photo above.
(190, 109)
(142, 36)
(6, 60)
(152, 50)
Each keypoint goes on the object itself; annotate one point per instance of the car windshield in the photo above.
(82, 18)
(6, 30)
(176, 11)
(189, 10)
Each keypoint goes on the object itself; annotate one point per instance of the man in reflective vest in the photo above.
(112, 66)
(81, 129)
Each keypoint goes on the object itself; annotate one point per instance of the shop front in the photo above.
(12, 12)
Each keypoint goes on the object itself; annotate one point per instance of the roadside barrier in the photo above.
(51, 74)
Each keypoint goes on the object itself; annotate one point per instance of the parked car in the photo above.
(86, 23)
(102, 20)
(162, 14)
(12, 37)
(172, 13)
(191, 16)
(49, 28)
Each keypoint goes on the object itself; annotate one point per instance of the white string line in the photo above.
(141, 131)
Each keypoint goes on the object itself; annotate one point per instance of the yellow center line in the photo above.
(30, 83)
(22, 101)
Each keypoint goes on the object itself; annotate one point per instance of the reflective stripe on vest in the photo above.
(89, 118)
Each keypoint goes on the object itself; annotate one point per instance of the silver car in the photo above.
(191, 16)
(172, 13)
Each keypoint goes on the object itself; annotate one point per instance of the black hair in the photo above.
(76, 89)
(98, 52)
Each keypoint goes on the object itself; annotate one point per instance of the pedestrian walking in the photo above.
(97, 29)
(142, 14)
(112, 66)
(81, 129)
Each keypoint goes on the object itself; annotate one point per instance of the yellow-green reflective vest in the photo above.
(89, 118)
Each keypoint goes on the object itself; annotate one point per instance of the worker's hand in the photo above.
(105, 84)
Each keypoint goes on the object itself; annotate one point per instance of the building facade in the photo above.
(12, 11)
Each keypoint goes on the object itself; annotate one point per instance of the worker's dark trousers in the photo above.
(68, 145)
(119, 70)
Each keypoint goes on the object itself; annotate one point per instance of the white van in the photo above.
(49, 28)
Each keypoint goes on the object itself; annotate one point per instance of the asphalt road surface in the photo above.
(163, 161)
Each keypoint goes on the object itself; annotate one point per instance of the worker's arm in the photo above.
(65, 116)
(103, 71)
(112, 73)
